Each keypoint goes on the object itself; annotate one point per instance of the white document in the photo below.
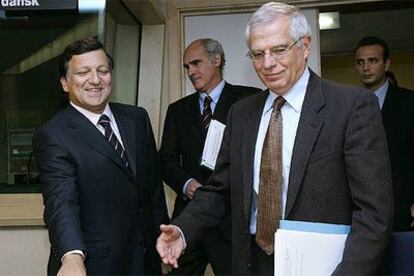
(307, 248)
(213, 143)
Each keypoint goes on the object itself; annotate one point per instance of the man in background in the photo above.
(184, 135)
(306, 149)
(103, 195)
(372, 62)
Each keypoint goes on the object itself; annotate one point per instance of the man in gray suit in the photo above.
(329, 160)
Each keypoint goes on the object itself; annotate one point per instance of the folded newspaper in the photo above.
(213, 143)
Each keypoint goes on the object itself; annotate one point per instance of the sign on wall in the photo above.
(40, 5)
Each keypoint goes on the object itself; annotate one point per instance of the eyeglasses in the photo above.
(276, 53)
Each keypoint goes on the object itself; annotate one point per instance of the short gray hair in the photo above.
(269, 12)
(213, 48)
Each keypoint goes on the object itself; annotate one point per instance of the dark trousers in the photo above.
(262, 263)
(214, 248)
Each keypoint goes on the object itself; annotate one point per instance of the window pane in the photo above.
(29, 89)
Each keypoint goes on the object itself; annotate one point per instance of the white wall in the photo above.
(24, 251)
(228, 29)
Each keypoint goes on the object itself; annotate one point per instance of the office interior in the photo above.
(146, 39)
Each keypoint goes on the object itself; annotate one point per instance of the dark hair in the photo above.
(79, 47)
(373, 40)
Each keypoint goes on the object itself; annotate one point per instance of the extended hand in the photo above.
(72, 265)
(192, 186)
(170, 245)
(412, 215)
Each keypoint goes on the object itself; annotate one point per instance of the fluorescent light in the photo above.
(329, 20)
(91, 5)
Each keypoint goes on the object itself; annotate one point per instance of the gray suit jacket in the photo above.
(339, 174)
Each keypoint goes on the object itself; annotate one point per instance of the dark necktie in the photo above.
(111, 137)
(207, 114)
(270, 188)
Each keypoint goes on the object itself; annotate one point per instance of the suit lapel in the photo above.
(310, 124)
(193, 113)
(389, 102)
(88, 134)
(227, 97)
(248, 146)
(128, 134)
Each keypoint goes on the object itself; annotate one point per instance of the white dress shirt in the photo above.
(291, 111)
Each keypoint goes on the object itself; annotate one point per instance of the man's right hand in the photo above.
(192, 186)
(72, 265)
(170, 244)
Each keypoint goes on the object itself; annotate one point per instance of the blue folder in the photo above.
(316, 227)
(402, 253)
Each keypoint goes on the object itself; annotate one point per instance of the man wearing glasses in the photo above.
(306, 150)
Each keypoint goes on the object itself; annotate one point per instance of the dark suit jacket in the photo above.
(398, 116)
(183, 141)
(339, 174)
(92, 202)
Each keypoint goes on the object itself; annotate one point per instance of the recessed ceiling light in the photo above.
(329, 20)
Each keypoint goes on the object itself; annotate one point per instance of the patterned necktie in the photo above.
(105, 122)
(207, 114)
(270, 188)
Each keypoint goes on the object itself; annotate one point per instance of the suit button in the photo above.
(249, 266)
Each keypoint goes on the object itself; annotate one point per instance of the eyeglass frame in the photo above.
(273, 54)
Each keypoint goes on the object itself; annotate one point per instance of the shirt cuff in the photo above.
(79, 252)
(185, 185)
(182, 236)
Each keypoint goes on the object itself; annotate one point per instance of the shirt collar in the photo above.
(294, 97)
(93, 117)
(215, 93)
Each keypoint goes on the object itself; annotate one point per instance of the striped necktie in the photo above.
(207, 113)
(105, 122)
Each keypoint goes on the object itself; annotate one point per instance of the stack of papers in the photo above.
(308, 248)
(212, 144)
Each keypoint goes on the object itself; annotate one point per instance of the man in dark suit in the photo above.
(182, 146)
(372, 58)
(329, 162)
(102, 191)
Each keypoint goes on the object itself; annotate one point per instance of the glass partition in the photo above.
(30, 92)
